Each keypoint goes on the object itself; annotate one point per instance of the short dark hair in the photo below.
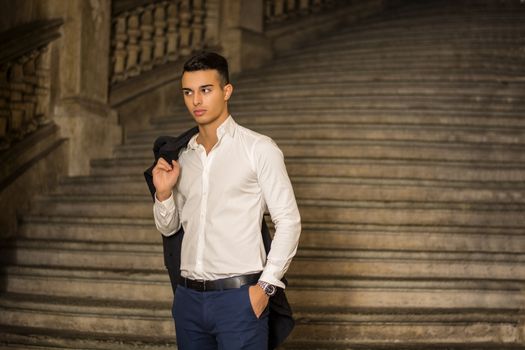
(208, 60)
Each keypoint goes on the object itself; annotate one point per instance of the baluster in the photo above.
(291, 9)
(160, 39)
(198, 24)
(132, 67)
(28, 96)
(16, 88)
(304, 7)
(279, 10)
(268, 11)
(119, 57)
(185, 29)
(317, 5)
(5, 114)
(146, 42)
(43, 64)
(172, 34)
(329, 4)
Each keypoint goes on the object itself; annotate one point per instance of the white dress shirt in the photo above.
(220, 199)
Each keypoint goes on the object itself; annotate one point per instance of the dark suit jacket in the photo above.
(280, 320)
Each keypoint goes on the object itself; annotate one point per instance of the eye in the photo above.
(206, 90)
(187, 92)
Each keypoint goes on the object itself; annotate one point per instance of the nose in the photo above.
(197, 99)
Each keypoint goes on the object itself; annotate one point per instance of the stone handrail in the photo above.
(25, 79)
(155, 34)
(277, 11)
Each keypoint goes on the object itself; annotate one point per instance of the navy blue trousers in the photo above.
(221, 320)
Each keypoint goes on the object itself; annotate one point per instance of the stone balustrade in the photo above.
(277, 11)
(155, 34)
(25, 79)
(24, 96)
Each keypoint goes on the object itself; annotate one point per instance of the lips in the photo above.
(199, 112)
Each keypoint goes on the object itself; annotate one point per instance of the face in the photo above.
(206, 101)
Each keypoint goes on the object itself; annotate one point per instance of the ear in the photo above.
(228, 90)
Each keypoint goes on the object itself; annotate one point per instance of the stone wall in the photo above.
(79, 77)
(78, 123)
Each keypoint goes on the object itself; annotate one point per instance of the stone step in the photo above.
(309, 262)
(81, 228)
(442, 30)
(422, 67)
(378, 331)
(361, 168)
(471, 16)
(314, 235)
(32, 338)
(440, 66)
(399, 169)
(128, 319)
(339, 188)
(492, 25)
(388, 100)
(331, 211)
(419, 213)
(372, 149)
(344, 89)
(376, 73)
(447, 28)
(357, 116)
(438, 41)
(450, 103)
(510, 32)
(303, 292)
(361, 115)
(474, 61)
(348, 131)
(362, 330)
(79, 315)
(404, 294)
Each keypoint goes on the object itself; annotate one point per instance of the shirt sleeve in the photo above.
(280, 199)
(166, 215)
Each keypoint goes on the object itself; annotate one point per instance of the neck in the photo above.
(208, 133)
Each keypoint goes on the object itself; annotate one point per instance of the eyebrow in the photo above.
(200, 87)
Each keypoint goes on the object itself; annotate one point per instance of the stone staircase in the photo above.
(404, 137)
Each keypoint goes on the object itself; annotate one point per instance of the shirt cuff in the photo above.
(165, 206)
(268, 277)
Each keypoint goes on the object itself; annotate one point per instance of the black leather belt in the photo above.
(222, 284)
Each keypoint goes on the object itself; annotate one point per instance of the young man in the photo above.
(218, 191)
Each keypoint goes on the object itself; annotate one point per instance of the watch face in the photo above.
(270, 290)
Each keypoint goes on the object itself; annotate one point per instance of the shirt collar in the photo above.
(226, 128)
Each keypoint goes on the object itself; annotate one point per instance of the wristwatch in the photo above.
(268, 288)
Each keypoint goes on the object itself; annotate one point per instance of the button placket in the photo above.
(205, 161)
